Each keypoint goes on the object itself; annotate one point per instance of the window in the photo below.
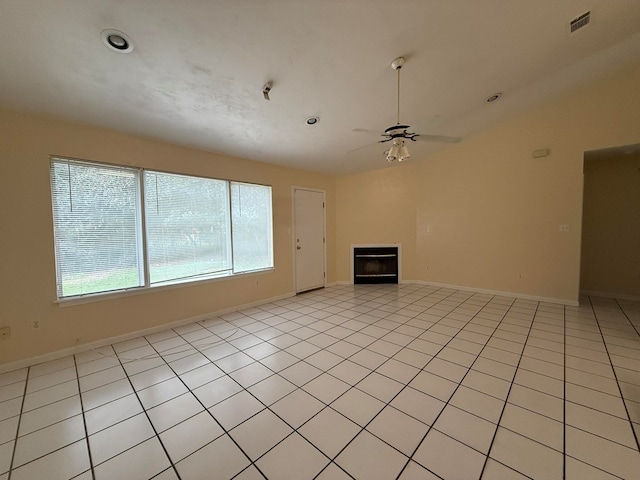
(96, 228)
(252, 231)
(187, 228)
(188, 233)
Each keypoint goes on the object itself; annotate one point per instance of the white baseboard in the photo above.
(7, 367)
(27, 362)
(621, 296)
(562, 301)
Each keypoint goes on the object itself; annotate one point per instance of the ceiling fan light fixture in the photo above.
(391, 155)
(395, 151)
(404, 153)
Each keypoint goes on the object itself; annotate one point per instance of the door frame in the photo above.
(293, 231)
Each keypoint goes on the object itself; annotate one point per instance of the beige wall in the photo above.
(493, 211)
(27, 272)
(377, 207)
(611, 226)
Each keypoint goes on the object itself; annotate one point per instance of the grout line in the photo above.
(339, 413)
(48, 404)
(506, 400)
(386, 404)
(221, 340)
(84, 421)
(633, 325)
(397, 315)
(328, 406)
(362, 428)
(624, 403)
(564, 395)
(146, 413)
(15, 443)
(498, 323)
(53, 385)
(226, 432)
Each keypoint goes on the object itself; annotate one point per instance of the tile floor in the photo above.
(366, 382)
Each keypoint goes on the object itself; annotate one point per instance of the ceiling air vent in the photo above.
(579, 22)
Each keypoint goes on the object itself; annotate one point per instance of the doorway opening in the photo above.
(611, 223)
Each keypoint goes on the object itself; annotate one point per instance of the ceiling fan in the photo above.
(398, 133)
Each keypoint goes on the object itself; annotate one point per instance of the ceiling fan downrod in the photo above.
(397, 65)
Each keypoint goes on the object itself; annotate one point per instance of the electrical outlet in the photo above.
(257, 282)
(564, 227)
(5, 333)
(35, 324)
(520, 276)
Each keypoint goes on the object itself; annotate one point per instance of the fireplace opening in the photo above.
(375, 265)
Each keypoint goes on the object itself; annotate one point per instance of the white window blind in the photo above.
(96, 228)
(187, 220)
(187, 228)
(252, 228)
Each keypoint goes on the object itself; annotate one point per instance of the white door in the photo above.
(309, 239)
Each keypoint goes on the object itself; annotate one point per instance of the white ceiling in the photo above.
(196, 74)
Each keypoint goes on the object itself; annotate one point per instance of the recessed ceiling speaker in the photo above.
(117, 41)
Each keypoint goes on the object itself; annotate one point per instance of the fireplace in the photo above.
(375, 264)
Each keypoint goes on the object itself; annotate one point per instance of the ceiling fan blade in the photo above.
(422, 137)
(364, 130)
(362, 149)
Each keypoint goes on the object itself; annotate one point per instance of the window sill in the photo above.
(100, 297)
